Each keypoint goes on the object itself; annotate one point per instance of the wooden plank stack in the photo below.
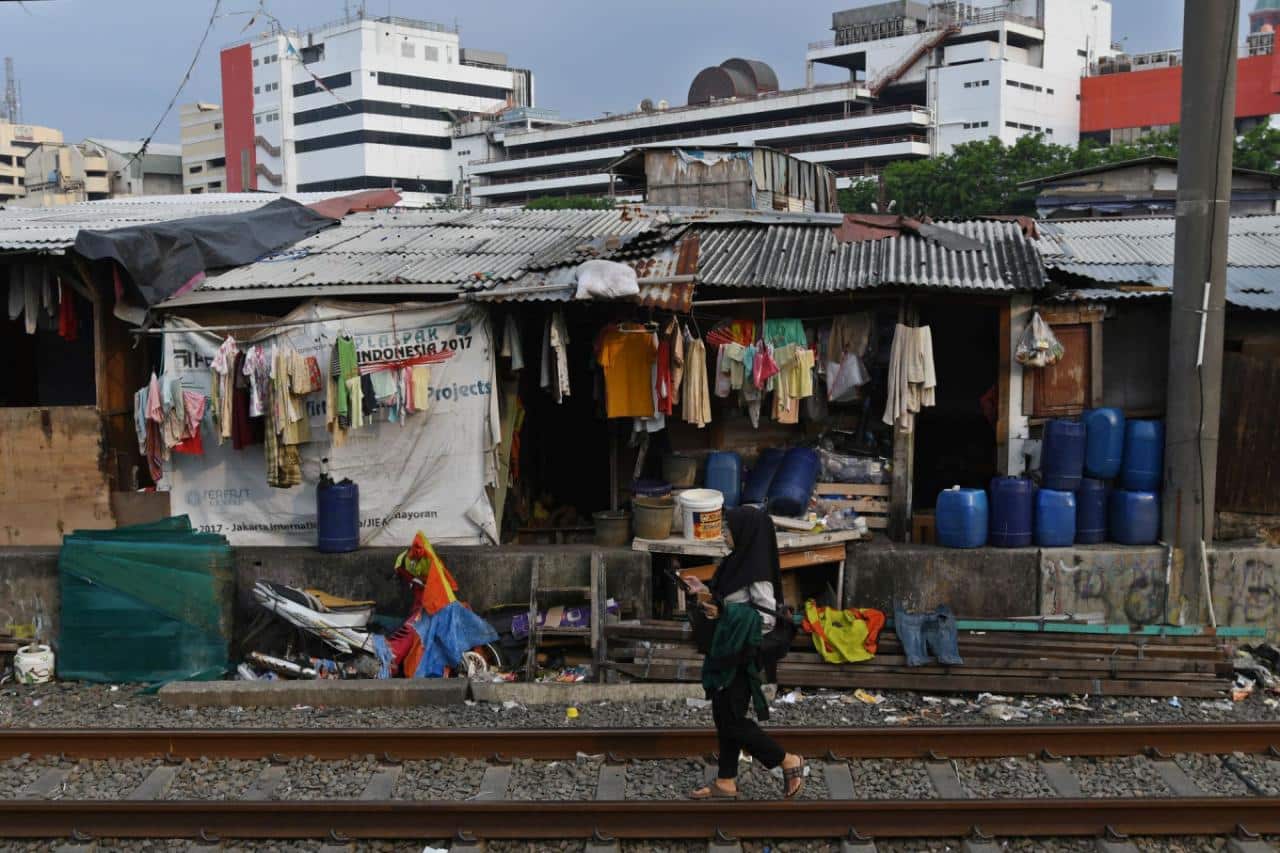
(869, 500)
(1020, 662)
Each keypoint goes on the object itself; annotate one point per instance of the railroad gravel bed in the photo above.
(123, 706)
(664, 780)
(555, 780)
(112, 779)
(310, 779)
(1006, 845)
(1262, 771)
(19, 772)
(443, 779)
(1119, 777)
(1003, 777)
(1212, 775)
(215, 779)
(884, 779)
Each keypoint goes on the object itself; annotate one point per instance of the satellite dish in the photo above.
(646, 106)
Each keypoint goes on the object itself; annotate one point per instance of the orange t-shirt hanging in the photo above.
(627, 359)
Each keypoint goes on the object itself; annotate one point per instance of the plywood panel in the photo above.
(1065, 388)
(51, 474)
(1249, 443)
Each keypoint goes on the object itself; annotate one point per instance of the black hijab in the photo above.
(755, 554)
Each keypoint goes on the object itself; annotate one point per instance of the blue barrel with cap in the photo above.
(1055, 518)
(761, 475)
(1143, 467)
(1135, 517)
(1062, 455)
(337, 516)
(1010, 511)
(792, 486)
(1103, 443)
(961, 518)
(724, 474)
(1091, 512)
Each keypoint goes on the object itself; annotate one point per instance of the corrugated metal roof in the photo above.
(54, 229)
(809, 259)
(1140, 251)
(455, 251)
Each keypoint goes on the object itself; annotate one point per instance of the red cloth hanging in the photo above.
(68, 322)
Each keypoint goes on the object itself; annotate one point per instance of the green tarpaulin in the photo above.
(149, 603)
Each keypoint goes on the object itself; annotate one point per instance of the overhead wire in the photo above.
(186, 77)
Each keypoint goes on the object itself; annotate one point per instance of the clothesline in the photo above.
(279, 324)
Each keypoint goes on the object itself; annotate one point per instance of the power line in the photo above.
(186, 77)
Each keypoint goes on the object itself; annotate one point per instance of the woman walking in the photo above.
(744, 594)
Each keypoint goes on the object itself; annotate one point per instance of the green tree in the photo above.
(570, 202)
(982, 177)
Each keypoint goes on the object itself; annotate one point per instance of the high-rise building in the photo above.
(204, 154)
(360, 103)
(922, 77)
(58, 173)
(1127, 96)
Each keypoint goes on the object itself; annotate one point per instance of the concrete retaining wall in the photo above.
(977, 584)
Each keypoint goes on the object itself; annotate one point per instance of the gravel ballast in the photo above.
(113, 779)
(882, 779)
(1119, 777)
(1004, 777)
(309, 779)
(1260, 770)
(555, 780)
(215, 779)
(445, 779)
(1212, 775)
(78, 705)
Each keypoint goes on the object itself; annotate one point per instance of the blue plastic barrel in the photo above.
(1135, 517)
(724, 474)
(337, 517)
(1091, 512)
(961, 518)
(1055, 518)
(1103, 443)
(761, 475)
(1143, 467)
(1010, 503)
(792, 486)
(1062, 455)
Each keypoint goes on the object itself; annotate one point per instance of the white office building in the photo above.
(360, 103)
(922, 78)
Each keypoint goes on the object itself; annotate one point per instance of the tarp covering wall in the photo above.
(145, 604)
(427, 472)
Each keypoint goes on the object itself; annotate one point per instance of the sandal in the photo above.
(790, 774)
(712, 791)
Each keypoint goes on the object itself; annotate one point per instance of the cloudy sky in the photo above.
(108, 67)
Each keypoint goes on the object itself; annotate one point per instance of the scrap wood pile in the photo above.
(1046, 662)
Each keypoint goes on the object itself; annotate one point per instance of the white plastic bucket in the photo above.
(33, 664)
(703, 513)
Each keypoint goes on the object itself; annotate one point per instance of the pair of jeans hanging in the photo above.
(925, 636)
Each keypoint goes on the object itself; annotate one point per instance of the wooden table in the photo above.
(795, 550)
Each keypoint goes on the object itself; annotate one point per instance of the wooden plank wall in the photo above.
(52, 477)
(1249, 443)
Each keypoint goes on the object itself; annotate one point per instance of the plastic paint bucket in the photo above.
(703, 513)
(33, 664)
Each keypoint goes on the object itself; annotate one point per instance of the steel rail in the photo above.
(349, 819)
(646, 743)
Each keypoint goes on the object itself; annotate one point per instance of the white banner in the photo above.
(427, 472)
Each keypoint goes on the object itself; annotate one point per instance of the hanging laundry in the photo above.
(194, 404)
(242, 428)
(32, 286)
(627, 357)
(912, 379)
(222, 381)
(342, 369)
(420, 383)
(732, 332)
(677, 359)
(723, 380)
(663, 395)
(779, 333)
(16, 296)
(512, 347)
(850, 333)
(696, 401)
(658, 421)
(559, 341)
(68, 322)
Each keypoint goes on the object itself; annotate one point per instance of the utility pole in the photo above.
(1194, 398)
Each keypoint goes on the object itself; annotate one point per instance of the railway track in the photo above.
(953, 760)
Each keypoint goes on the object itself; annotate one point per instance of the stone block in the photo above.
(363, 693)
(570, 694)
(1246, 587)
(1126, 584)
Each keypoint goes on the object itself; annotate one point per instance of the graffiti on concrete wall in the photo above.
(1246, 587)
(1124, 585)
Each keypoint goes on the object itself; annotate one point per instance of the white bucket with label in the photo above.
(702, 513)
(33, 664)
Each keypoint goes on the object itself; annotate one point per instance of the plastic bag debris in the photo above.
(867, 698)
(691, 702)
(1004, 712)
(791, 698)
(510, 705)
(1242, 689)
(1175, 702)
(606, 280)
(1038, 346)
